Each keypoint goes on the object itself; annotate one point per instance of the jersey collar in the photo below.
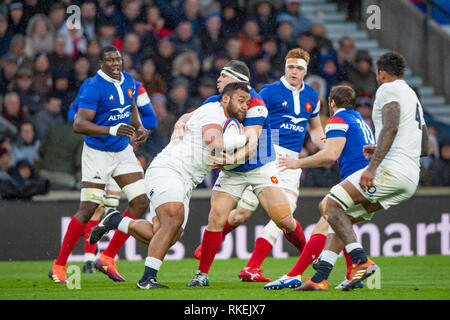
(287, 85)
(109, 79)
(338, 110)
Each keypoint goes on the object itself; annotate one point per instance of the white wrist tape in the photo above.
(113, 129)
(233, 141)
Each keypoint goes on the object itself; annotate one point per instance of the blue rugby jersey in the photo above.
(139, 94)
(256, 115)
(351, 125)
(290, 110)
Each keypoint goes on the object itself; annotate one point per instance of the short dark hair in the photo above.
(239, 66)
(233, 86)
(105, 49)
(392, 62)
(343, 96)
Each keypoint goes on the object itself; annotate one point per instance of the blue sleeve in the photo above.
(212, 99)
(148, 116)
(90, 98)
(76, 103)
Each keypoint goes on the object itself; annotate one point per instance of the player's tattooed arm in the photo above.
(141, 133)
(180, 126)
(390, 116)
(425, 142)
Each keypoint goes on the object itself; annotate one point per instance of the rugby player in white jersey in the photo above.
(174, 173)
(391, 177)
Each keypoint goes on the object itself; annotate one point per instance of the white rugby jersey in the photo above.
(404, 154)
(189, 154)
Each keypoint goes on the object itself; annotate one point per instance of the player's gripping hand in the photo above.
(141, 136)
(368, 150)
(122, 130)
(287, 162)
(367, 179)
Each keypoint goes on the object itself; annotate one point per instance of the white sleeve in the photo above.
(211, 113)
(387, 94)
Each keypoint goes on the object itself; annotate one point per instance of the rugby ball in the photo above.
(231, 127)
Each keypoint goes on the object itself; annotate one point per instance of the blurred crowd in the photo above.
(176, 49)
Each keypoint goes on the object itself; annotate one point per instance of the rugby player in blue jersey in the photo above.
(112, 190)
(108, 117)
(347, 134)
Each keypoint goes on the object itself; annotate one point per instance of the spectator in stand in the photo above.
(123, 20)
(26, 183)
(132, 47)
(266, 18)
(17, 23)
(8, 71)
(76, 42)
(58, 58)
(324, 44)
(147, 39)
(17, 47)
(329, 71)
(152, 80)
(88, 18)
(292, 10)
(61, 166)
(211, 37)
(233, 48)
(346, 54)
(362, 77)
(307, 41)
(184, 38)
(206, 88)
(63, 90)
(260, 73)
(5, 35)
(157, 23)
(26, 147)
(80, 70)
(30, 96)
(231, 18)
(40, 36)
(92, 53)
(178, 99)
(187, 66)
(285, 34)
(250, 39)
(6, 181)
(191, 13)
(364, 107)
(57, 16)
(48, 117)
(164, 58)
(42, 75)
(107, 34)
(13, 110)
(440, 167)
(269, 51)
(166, 119)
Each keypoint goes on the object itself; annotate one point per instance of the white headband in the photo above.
(297, 62)
(235, 75)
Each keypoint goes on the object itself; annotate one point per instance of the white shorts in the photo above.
(234, 183)
(390, 189)
(99, 166)
(167, 185)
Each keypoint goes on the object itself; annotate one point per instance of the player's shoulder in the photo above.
(256, 100)
(311, 92)
(215, 98)
(341, 118)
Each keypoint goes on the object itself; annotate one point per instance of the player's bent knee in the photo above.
(280, 212)
(111, 201)
(340, 198)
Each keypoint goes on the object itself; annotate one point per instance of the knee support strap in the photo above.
(92, 195)
(340, 195)
(134, 189)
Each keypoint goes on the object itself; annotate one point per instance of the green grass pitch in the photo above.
(401, 278)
